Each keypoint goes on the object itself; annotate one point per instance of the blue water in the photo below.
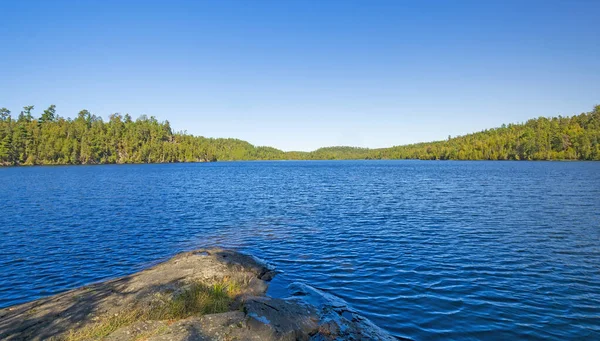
(426, 250)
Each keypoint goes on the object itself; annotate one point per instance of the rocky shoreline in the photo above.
(203, 295)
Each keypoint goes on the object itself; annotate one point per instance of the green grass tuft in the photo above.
(196, 299)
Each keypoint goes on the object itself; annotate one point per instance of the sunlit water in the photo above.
(426, 250)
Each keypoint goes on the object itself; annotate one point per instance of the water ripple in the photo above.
(426, 250)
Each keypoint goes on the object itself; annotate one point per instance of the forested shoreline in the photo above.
(54, 140)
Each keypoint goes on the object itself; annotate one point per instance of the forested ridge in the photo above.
(51, 139)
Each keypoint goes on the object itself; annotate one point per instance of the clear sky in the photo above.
(298, 75)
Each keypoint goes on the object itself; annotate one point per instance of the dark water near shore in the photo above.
(426, 250)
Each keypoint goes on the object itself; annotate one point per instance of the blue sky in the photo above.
(298, 75)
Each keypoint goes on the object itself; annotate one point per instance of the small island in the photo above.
(209, 294)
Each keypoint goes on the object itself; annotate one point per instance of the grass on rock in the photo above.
(194, 300)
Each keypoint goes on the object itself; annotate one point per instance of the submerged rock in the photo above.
(337, 321)
(129, 304)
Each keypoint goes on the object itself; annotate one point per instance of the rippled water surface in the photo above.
(426, 250)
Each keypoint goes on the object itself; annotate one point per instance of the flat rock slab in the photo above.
(225, 326)
(53, 316)
(278, 319)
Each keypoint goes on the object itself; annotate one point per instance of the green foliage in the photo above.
(556, 138)
(4, 114)
(196, 299)
(87, 139)
(49, 114)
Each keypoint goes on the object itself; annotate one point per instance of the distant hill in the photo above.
(556, 138)
(87, 139)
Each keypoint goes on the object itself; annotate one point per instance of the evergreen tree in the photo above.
(89, 140)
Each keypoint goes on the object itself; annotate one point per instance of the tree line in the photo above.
(51, 139)
(54, 140)
(556, 138)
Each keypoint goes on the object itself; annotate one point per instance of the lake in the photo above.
(426, 250)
